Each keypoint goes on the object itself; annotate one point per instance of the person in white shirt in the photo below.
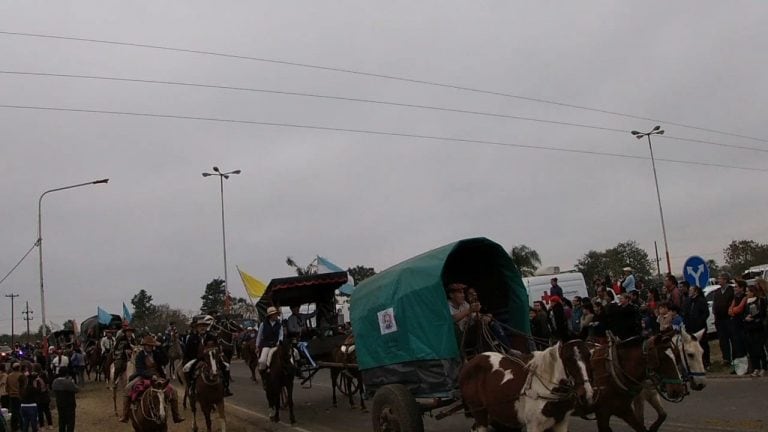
(59, 361)
(107, 343)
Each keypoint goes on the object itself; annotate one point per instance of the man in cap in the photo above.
(269, 336)
(148, 367)
(628, 284)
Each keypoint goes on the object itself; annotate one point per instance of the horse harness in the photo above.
(156, 413)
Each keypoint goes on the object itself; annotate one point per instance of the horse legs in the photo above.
(289, 388)
(222, 416)
(192, 406)
(655, 400)
(334, 379)
(626, 413)
(603, 420)
(207, 414)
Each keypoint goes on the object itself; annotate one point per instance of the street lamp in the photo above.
(40, 239)
(222, 176)
(639, 135)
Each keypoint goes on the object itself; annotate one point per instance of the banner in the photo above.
(126, 313)
(104, 317)
(325, 266)
(253, 287)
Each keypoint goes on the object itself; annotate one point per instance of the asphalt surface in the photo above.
(726, 404)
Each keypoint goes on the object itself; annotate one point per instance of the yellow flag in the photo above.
(254, 287)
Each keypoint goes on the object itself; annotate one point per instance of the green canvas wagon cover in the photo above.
(403, 328)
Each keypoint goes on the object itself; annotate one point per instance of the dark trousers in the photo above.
(44, 413)
(704, 343)
(66, 418)
(723, 328)
(737, 339)
(5, 402)
(29, 418)
(15, 413)
(756, 349)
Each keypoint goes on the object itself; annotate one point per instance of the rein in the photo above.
(156, 413)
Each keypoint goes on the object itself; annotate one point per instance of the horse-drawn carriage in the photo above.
(406, 343)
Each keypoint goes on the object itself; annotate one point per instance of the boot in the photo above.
(126, 409)
(263, 374)
(226, 381)
(177, 418)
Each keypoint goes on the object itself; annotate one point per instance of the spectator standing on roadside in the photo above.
(628, 284)
(43, 385)
(4, 401)
(623, 319)
(721, 302)
(754, 325)
(737, 312)
(558, 322)
(685, 292)
(576, 313)
(672, 291)
(587, 315)
(65, 390)
(555, 290)
(15, 383)
(77, 366)
(29, 395)
(695, 318)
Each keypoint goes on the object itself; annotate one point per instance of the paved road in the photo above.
(727, 404)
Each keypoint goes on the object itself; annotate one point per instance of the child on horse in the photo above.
(148, 367)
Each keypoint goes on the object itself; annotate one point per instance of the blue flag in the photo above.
(325, 266)
(104, 317)
(127, 314)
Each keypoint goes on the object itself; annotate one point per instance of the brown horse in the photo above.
(150, 412)
(537, 391)
(93, 361)
(346, 355)
(688, 355)
(174, 355)
(280, 373)
(208, 390)
(621, 368)
(250, 354)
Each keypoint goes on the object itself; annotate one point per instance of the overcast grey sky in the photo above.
(356, 198)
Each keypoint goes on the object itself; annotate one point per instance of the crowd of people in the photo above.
(739, 311)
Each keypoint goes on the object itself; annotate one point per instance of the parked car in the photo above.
(5, 353)
(709, 294)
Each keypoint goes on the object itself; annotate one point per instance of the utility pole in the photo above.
(28, 318)
(12, 296)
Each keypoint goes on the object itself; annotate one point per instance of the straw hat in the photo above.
(149, 340)
(272, 311)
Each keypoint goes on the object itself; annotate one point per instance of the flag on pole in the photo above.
(127, 316)
(104, 317)
(325, 266)
(253, 287)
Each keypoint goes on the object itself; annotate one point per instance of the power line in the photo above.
(382, 76)
(369, 132)
(18, 263)
(360, 100)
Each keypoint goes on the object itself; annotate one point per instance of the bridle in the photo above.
(569, 385)
(153, 413)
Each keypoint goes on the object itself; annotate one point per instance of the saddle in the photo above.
(139, 388)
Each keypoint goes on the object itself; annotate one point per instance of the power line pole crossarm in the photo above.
(28, 318)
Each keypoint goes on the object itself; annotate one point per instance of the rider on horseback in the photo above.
(270, 335)
(123, 347)
(194, 349)
(148, 367)
(107, 343)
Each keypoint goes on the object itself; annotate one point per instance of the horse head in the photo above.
(210, 365)
(691, 358)
(576, 359)
(662, 367)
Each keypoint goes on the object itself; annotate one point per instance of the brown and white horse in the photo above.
(150, 412)
(538, 391)
(281, 371)
(689, 357)
(622, 367)
(208, 390)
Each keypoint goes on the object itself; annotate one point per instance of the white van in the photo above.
(572, 284)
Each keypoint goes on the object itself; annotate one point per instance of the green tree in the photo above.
(307, 270)
(163, 315)
(526, 259)
(740, 255)
(142, 306)
(213, 298)
(611, 261)
(360, 273)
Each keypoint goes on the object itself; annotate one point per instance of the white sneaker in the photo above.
(755, 373)
(760, 372)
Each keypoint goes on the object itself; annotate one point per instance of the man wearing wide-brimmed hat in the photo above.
(194, 349)
(269, 336)
(628, 284)
(148, 367)
(124, 345)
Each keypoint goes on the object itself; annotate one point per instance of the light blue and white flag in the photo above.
(126, 313)
(325, 266)
(103, 316)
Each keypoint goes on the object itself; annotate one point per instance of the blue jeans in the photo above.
(29, 417)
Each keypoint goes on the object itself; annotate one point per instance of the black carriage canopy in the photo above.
(403, 327)
(319, 289)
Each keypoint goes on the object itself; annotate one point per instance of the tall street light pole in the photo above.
(222, 176)
(40, 239)
(639, 135)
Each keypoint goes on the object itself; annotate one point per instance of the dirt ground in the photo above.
(95, 413)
